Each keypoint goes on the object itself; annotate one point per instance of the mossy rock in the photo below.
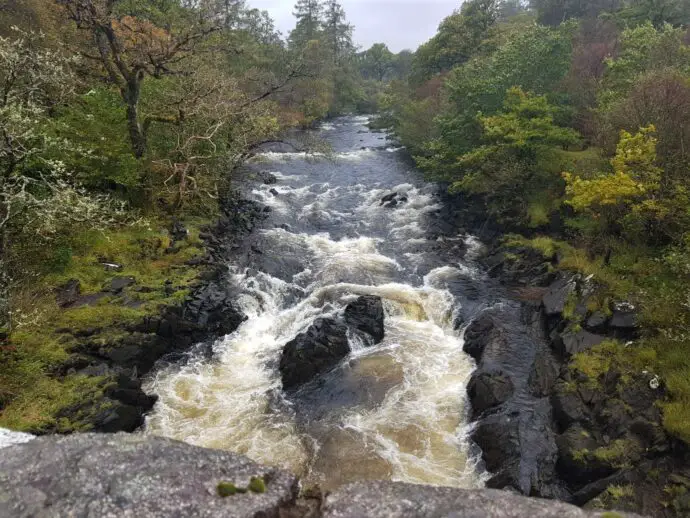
(257, 485)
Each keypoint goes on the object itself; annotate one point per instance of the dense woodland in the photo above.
(567, 119)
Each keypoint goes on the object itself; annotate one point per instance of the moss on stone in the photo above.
(226, 489)
(257, 485)
(31, 393)
(619, 492)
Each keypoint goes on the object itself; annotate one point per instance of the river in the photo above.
(393, 411)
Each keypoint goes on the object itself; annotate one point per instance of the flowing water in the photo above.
(393, 411)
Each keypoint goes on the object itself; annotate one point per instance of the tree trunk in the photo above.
(130, 95)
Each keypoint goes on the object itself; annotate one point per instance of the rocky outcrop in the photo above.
(326, 343)
(564, 433)
(133, 475)
(397, 500)
(149, 477)
(125, 354)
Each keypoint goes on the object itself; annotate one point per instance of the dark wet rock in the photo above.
(568, 406)
(556, 297)
(520, 451)
(543, 375)
(92, 299)
(118, 284)
(312, 353)
(68, 293)
(178, 232)
(267, 177)
(597, 321)
(398, 500)
(393, 199)
(133, 475)
(211, 308)
(624, 317)
(274, 192)
(366, 315)
(478, 335)
(488, 389)
(577, 462)
(569, 343)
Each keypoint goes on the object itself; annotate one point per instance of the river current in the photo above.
(394, 411)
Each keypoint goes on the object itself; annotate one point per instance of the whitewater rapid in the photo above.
(394, 411)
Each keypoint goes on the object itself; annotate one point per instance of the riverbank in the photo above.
(585, 416)
(93, 328)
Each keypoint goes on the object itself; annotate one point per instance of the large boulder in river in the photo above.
(325, 343)
(366, 315)
(312, 353)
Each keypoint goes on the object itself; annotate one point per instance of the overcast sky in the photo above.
(401, 24)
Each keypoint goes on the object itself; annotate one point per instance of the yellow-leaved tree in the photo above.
(627, 196)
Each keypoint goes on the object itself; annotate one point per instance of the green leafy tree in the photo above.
(629, 201)
(458, 38)
(377, 62)
(309, 14)
(338, 32)
(517, 144)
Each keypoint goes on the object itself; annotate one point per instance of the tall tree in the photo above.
(131, 49)
(458, 38)
(309, 14)
(337, 31)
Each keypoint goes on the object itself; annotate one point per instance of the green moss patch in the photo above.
(31, 393)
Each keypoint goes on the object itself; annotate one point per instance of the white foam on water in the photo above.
(10, 438)
(415, 431)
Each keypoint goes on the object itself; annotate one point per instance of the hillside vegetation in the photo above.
(569, 122)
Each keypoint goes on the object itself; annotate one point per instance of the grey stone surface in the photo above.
(124, 475)
(397, 500)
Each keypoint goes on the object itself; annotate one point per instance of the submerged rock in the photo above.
(267, 177)
(393, 199)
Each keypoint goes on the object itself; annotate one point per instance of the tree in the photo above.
(457, 40)
(376, 62)
(39, 196)
(628, 193)
(131, 49)
(518, 143)
(338, 32)
(309, 14)
(555, 12)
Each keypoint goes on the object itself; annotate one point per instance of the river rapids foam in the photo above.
(393, 411)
